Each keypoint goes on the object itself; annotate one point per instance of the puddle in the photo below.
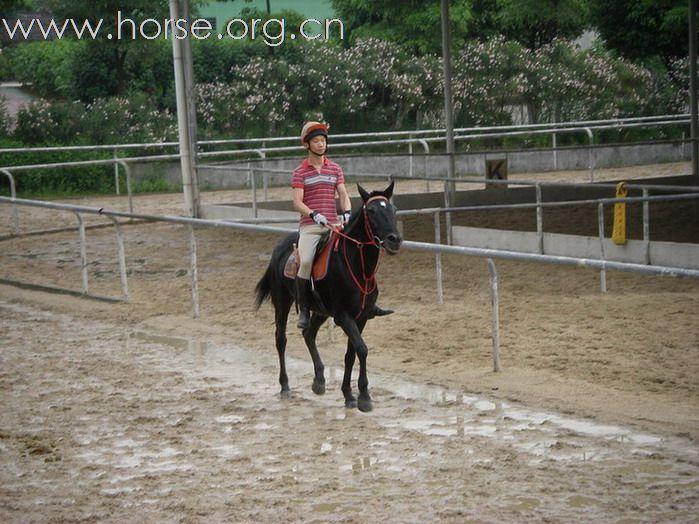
(449, 414)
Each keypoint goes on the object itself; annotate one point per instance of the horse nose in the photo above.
(393, 238)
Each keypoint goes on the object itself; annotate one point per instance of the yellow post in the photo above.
(619, 231)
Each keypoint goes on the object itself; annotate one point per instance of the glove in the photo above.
(344, 217)
(319, 218)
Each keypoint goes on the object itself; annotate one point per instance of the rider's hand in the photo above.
(344, 217)
(319, 218)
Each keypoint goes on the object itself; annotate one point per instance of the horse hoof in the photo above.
(351, 403)
(318, 388)
(285, 394)
(365, 406)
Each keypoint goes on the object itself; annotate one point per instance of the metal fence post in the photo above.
(646, 224)
(600, 224)
(438, 258)
(265, 185)
(539, 219)
(116, 171)
(122, 258)
(129, 193)
(83, 253)
(590, 162)
(426, 147)
(13, 195)
(495, 313)
(194, 272)
(253, 186)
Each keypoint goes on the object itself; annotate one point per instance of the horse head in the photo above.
(380, 218)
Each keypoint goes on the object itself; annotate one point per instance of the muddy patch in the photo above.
(112, 423)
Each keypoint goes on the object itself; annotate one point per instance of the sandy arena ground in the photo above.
(135, 412)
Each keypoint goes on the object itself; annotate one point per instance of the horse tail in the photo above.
(271, 285)
(263, 289)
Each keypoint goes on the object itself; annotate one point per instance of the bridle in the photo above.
(366, 284)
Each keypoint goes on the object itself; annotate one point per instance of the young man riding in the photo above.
(315, 184)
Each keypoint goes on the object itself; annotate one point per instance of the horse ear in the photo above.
(389, 190)
(363, 193)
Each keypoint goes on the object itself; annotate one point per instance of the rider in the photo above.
(316, 182)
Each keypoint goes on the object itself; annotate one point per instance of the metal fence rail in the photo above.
(614, 123)
(436, 248)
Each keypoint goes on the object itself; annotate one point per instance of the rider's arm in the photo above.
(345, 203)
(298, 202)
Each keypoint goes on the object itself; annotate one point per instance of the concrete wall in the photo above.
(472, 164)
(635, 251)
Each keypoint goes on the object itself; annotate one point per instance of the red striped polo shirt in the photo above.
(319, 188)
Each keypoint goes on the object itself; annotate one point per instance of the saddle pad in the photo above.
(322, 259)
(320, 263)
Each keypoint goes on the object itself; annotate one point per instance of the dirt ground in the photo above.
(104, 421)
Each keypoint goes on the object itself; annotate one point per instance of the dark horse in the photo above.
(347, 294)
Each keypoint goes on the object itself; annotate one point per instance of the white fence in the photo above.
(436, 248)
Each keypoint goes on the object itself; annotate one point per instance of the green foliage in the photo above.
(643, 29)
(55, 182)
(150, 73)
(249, 89)
(10, 7)
(47, 66)
(5, 66)
(536, 23)
(413, 23)
(215, 59)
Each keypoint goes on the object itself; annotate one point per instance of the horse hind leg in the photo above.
(281, 316)
(309, 335)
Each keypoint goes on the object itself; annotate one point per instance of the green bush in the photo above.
(56, 181)
(46, 65)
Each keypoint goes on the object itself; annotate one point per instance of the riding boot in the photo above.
(303, 292)
(377, 311)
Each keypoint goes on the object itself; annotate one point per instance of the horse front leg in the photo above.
(356, 346)
(309, 335)
(350, 356)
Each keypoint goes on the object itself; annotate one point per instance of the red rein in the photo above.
(370, 283)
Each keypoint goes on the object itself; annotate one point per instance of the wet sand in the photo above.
(112, 424)
(137, 412)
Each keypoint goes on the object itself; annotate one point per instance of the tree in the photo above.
(105, 57)
(643, 29)
(413, 23)
(535, 23)
(10, 7)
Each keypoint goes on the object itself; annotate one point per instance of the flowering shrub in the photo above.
(373, 85)
(558, 82)
(104, 121)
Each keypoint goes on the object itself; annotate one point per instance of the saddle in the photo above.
(321, 262)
